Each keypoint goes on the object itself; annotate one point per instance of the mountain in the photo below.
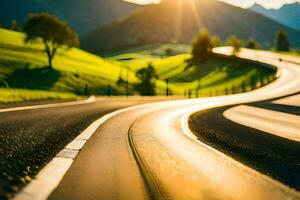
(177, 20)
(83, 16)
(18, 10)
(288, 15)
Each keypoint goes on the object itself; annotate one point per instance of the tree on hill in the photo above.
(14, 26)
(202, 47)
(216, 41)
(281, 42)
(252, 44)
(235, 42)
(146, 76)
(169, 52)
(53, 32)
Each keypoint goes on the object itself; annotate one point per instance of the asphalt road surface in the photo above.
(149, 152)
(31, 138)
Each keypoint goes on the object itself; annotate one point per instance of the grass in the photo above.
(217, 75)
(291, 53)
(24, 74)
(21, 95)
(24, 66)
(160, 50)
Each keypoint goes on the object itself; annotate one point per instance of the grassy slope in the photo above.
(21, 95)
(291, 53)
(24, 75)
(155, 50)
(213, 76)
(24, 66)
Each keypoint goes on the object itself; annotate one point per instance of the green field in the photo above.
(25, 67)
(21, 95)
(24, 74)
(160, 50)
(291, 53)
(213, 77)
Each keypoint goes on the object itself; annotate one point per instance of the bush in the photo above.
(281, 42)
(216, 41)
(235, 42)
(146, 87)
(202, 47)
(252, 44)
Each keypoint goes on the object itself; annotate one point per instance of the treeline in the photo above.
(203, 44)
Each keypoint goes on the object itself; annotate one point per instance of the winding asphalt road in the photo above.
(149, 152)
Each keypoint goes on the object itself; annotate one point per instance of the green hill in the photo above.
(24, 67)
(176, 20)
(24, 74)
(217, 76)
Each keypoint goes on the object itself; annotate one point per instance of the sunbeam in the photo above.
(195, 13)
(178, 24)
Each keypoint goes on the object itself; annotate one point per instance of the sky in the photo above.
(275, 4)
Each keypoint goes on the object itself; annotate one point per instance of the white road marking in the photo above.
(54, 105)
(290, 101)
(277, 123)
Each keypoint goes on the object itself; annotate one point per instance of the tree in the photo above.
(202, 47)
(169, 51)
(252, 44)
(53, 32)
(235, 42)
(282, 42)
(146, 76)
(216, 41)
(14, 25)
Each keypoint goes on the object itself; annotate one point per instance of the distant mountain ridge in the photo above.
(82, 15)
(288, 14)
(176, 20)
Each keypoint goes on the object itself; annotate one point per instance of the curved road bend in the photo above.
(149, 153)
(30, 138)
(263, 135)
